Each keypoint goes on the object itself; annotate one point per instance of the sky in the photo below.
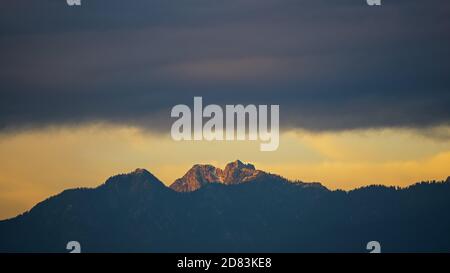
(86, 92)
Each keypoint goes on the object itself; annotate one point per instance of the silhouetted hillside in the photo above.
(135, 212)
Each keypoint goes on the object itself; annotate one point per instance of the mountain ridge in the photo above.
(199, 175)
(136, 212)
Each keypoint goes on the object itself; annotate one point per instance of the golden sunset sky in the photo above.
(86, 93)
(39, 163)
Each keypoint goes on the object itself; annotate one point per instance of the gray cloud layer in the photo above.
(330, 65)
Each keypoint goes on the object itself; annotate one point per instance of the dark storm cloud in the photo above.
(331, 65)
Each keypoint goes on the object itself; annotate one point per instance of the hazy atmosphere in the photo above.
(86, 93)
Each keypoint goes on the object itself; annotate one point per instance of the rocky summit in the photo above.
(199, 175)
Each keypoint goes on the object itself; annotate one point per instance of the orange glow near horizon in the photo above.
(39, 163)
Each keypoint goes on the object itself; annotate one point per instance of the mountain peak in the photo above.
(199, 175)
(135, 180)
(239, 165)
(140, 171)
(237, 172)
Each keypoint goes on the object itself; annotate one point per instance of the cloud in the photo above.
(330, 66)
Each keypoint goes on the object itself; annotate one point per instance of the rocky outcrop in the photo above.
(199, 175)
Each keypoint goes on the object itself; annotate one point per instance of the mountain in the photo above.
(138, 181)
(234, 173)
(200, 175)
(237, 209)
(197, 177)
